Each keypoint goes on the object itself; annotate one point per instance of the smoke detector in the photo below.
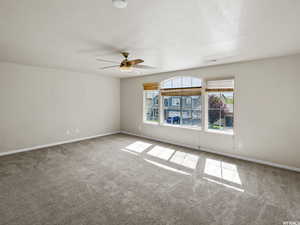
(121, 4)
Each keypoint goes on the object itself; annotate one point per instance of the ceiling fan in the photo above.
(126, 65)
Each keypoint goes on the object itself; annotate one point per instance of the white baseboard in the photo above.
(56, 143)
(155, 139)
(217, 152)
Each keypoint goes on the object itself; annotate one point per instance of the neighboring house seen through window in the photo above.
(151, 106)
(182, 101)
(178, 102)
(220, 113)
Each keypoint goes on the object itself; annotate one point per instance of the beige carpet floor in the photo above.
(121, 179)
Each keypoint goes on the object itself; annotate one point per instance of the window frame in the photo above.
(204, 109)
(145, 111)
(193, 84)
(181, 125)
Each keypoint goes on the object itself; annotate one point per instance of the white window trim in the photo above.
(151, 123)
(182, 126)
(230, 133)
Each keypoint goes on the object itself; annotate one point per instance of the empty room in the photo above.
(162, 112)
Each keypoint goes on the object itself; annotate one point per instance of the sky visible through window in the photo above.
(181, 82)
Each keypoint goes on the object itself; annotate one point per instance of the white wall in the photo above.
(267, 106)
(40, 106)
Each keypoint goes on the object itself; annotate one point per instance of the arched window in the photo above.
(181, 82)
(181, 100)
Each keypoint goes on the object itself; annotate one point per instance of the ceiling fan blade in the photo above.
(135, 61)
(144, 67)
(108, 67)
(104, 60)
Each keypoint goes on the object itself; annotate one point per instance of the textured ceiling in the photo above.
(167, 34)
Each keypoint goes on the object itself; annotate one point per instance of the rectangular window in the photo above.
(220, 102)
(151, 106)
(182, 110)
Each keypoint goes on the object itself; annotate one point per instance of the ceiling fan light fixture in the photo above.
(121, 4)
(126, 69)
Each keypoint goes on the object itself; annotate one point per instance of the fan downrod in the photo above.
(125, 54)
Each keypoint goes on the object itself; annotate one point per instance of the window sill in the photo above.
(230, 133)
(169, 125)
(182, 127)
(151, 123)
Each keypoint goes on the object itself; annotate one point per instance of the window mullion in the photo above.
(161, 109)
(181, 115)
(220, 120)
